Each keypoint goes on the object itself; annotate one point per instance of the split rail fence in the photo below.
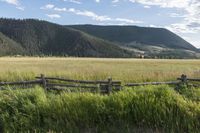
(102, 86)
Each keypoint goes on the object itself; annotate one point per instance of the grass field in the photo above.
(127, 70)
(160, 109)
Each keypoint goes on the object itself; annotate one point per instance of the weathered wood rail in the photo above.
(103, 86)
(21, 82)
(153, 83)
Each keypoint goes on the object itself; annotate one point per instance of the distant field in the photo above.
(127, 70)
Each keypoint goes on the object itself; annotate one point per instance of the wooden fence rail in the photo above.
(153, 83)
(80, 81)
(49, 85)
(21, 83)
(105, 86)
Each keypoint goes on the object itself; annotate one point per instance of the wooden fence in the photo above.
(181, 80)
(105, 86)
(51, 83)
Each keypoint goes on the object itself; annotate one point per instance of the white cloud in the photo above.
(90, 14)
(147, 6)
(60, 9)
(130, 21)
(20, 8)
(51, 6)
(74, 1)
(52, 16)
(176, 15)
(13, 2)
(48, 6)
(153, 26)
(164, 3)
(115, 1)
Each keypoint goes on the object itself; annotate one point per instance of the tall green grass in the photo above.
(140, 109)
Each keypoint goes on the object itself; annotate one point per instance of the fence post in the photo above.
(184, 78)
(44, 83)
(109, 89)
(119, 88)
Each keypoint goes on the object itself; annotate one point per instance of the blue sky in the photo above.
(180, 16)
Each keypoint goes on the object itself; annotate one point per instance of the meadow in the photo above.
(127, 70)
(161, 109)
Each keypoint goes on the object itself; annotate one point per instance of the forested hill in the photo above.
(41, 37)
(34, 37)
(9, 47)
(145, 35)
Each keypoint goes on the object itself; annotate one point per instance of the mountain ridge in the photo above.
(129, 34)
(41, 37)
(36, 37)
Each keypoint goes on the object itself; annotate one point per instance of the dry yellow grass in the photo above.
(127, 70)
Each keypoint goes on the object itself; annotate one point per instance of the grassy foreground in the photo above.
(127, 70)
(143, 109)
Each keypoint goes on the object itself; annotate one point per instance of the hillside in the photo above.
(41, 38)
(132, 34)
(44, 38)
(9, 47)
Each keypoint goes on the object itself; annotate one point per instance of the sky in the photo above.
(179, 16)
